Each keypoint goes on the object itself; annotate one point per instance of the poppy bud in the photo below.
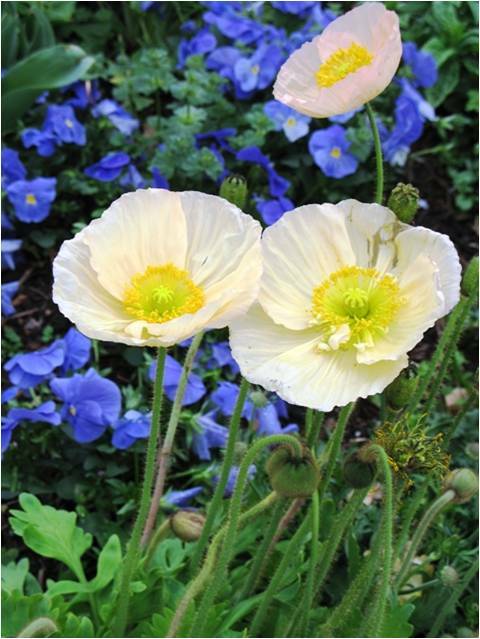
(463, 482)
(234, 189)
(470, 278)
(399, 392)
(292, 475)
(187, 525)
(357, 472)
(449, 576)
(403, 201)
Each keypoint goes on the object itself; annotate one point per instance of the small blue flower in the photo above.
(424, 108)
(91, 404)
(277, 184)
(32, 199)
(26, 370)
(221, 136)
(85, 93)
(230, 22)
(225, 398)
(181, 498)
(272, 210)
(132, 177)
(269, 423)
(9, 248)
(222, 357)
(132, 426)
(9, 393)
(329, 149)
(62, 122)
(407, 130)
(195, 389)
(8, 291)
(203, 42)
(44, 141)
(423, 65)
(77, 350)
(232, 478)
(109, 167)
(12, 167)
(344, 117)
(117, 115)
(294, 125)
(296, 8)
(259, 70)
(222, 60)
(210, 435)
(44, 413)
(158, 180)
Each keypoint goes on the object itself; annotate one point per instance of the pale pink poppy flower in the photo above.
(349, 64)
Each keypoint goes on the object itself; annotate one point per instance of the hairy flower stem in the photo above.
(222, 482)
(451, 602)
(407, 518)
(197, 584)
(133, 548)
(312, 438)
(374, 621)
(378, 154)
(166, 450)
(314, 551)
(157, 537)
(438, 505)
(228, 547)
(41, 627)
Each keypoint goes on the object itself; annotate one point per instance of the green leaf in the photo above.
(50, 532)
(14, 575)
(447, 83)
(396, 621)
(59, 11)
(74, 626)
(10, 31)
(18, 611)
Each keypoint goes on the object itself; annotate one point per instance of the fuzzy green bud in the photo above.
(470, 278)
(399, 392)
(358, 473)
(258, 398)
(403, 201)
(449, 576)
(292, 475)
(463, 482)
(239, 451)
(234, 189)
(187, 525)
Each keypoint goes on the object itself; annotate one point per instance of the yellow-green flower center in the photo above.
(30, 199)
(342, 63)
(336, 152)
(162, 293)
(355, 306)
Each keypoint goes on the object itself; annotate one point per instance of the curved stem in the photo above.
(164, 455)
(41, 627)
(159, 534)
(222, 481)
(407, 518)
(133, 546)
(378, 154)
(438, 505)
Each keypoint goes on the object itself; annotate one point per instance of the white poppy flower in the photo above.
(158, 267)
(347, 291)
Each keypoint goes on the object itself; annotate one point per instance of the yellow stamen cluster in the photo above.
(30, 199)
(162, 293)
(356, 304)
(342, 63)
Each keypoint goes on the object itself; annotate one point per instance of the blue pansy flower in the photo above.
(203, 42)
(44, 413)
(117, 115)
(272, 210)
(158, 180)
(221, 136)
(181, 498)
(222, 356)
(44, 141)
(195, 388)
(210, 434)
(329, 149)
(31, 199)
(424, 108)
(85, 93)
(9, 248)
(294, 125)
(232, 24)
(132, 426)
(91, 404)
(423, 65)
(26, 370)
(232, 478)
(268, 422)
(132, 177)
(344, 117)
(407, 130)
(223, 60)
(225, 398)
(258, 71)
(276, 183)
(296, 8)
(8, 291)
(61, 120)
(9, 393)
(109, 167)
(77, 350)
(12, 167)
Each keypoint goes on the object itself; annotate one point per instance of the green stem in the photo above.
(157, 537)
(378, 154)
(438, 505)
(79, 572)
(312, 564)
(133, 547)
(308, 422)
(228, 546)
(222, 482)
(407, 518)
(424, 586)
(312, 440)
(166, 449)
(449, 606)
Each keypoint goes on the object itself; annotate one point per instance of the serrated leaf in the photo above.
(447, 83)
(14, 575)
(74, 626)
(396, 621)
(18, 611)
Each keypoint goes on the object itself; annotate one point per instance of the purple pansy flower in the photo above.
(109, 167)
(8, 291)
(422, 63)
(294, 125)
(31, 199)
(195, 388)
(26, 370)
(272, 210)
(329, 149)
(277, 184)
(117, 115)
(132, 426)
(210, 434)
(44, 413)
(181, 498)
(12, 167)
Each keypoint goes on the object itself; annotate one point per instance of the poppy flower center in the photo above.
(342, 63)
(162, 293)
(355, 306)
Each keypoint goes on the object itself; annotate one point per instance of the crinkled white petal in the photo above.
(290, 364)
(302, 249)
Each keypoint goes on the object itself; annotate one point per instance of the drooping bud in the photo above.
(399, 392)
(234, 189)
(463, 482)
(258, 398)
(239, 452)
(359, 470)
(187, 525)
(292, 475)
(449, 576)
(403, 201)
(470, 278)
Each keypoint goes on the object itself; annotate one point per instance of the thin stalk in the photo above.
(438, 505)
(157, 537)
(314, 551)
(312, 440)
(378, 154)
(222, 482)
(308, 422)
(408, 517)
(165, 452)
(41, 627)
(91, 599)
(133, 548)
(424, 586)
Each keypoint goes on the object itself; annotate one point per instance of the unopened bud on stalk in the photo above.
(234, 189)
(359, 470)
(399, 392)
(292, 475)
(239, 452)
(463, 482)
(449, 576)
(187, 525)
(258, 398)
(470, 278)
(403, 201)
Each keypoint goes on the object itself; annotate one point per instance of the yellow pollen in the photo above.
(342, 63)
(162, 293)
(30, 199)
(336, 152)
(357, 302)
(255, 69)
(291, 121)
(69, 123)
